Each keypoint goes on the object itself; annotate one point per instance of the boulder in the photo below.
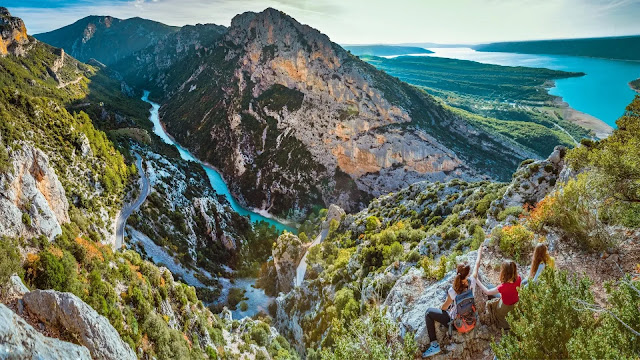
(19, 340)
(287, 253)
(412, 295)
(334, 213)
(90, 328)
(15, 288)
(32, 199)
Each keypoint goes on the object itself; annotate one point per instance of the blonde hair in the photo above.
(540, 255)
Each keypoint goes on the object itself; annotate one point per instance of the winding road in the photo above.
(128, 209)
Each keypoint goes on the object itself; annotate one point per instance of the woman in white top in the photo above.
(461, 283)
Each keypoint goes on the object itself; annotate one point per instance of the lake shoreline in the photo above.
(599, 127)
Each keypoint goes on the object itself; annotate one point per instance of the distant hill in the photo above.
(385, 50)
(622, 48)
(106, 38)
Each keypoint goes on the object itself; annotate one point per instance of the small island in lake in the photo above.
(635, 85)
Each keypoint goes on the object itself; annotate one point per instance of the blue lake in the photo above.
(216, 180)
(603, 92)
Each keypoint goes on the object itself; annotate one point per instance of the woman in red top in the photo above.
(508, 293)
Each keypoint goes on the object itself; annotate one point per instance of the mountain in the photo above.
(63, 182)
(622, 48)
(148, 66)
(106, 38)
(293, 120)
(385, 50)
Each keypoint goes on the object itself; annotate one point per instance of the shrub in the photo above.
(477, 237)
(579, 213)
(235, 296)
(372, 224)
(510, 211)
(372, 337)
(26, 219)
(549, 321)
(346, 304)
(514, 241)
(10, 260)
(55, 273)
(432, 271)
(260, 333)
(244, 306)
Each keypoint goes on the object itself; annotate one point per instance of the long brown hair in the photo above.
(540, 255)
(462, 273)
(508, 272)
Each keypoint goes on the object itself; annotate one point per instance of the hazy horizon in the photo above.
(400, 22)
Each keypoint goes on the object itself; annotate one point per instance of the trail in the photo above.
(302, 267)
(566, 132)
(128, 209)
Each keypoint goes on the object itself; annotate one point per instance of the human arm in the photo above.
(447, 303)
(477, 266)
(485, 290)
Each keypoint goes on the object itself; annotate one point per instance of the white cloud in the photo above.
(377, 21)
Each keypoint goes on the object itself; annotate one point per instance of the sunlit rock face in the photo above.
(13, 34)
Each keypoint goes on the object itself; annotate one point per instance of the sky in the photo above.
(370, 21)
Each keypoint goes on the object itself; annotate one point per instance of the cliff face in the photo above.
(293, 120)
(13, 34)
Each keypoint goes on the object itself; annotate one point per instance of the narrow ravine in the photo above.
(216, 180)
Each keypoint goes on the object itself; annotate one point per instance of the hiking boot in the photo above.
(433, 349)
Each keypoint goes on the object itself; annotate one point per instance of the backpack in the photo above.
(465, 313)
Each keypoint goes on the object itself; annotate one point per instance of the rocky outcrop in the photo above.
(13, 34)
(531, 183)
(412, 295)
(32, 199)
(76, 317)
(287, 253)
(20, 340)
(334, 212)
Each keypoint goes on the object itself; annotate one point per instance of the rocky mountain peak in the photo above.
(13, 34)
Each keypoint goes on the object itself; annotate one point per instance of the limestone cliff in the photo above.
(293, 120)
(13, 34)
(32, 199)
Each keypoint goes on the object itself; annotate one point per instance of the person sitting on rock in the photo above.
(462, 282)
(541, 259)
(505, 295)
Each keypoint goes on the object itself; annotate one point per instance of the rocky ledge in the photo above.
(13, 34)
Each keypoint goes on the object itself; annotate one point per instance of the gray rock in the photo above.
(15, 288)
(412, 295)
(19, 340)
(287, 253)
(90, 328)
(334, 213)
(31, 187)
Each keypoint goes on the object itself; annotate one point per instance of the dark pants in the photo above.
(431, 317)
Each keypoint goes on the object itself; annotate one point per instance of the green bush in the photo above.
(26, 219)
(551, 321)
(244, 306)
(514, 241)
(260, 333)
(372, 337)
(56, 273)
(346, 304)
(10, 260)
(510, 211)
(235, 296)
